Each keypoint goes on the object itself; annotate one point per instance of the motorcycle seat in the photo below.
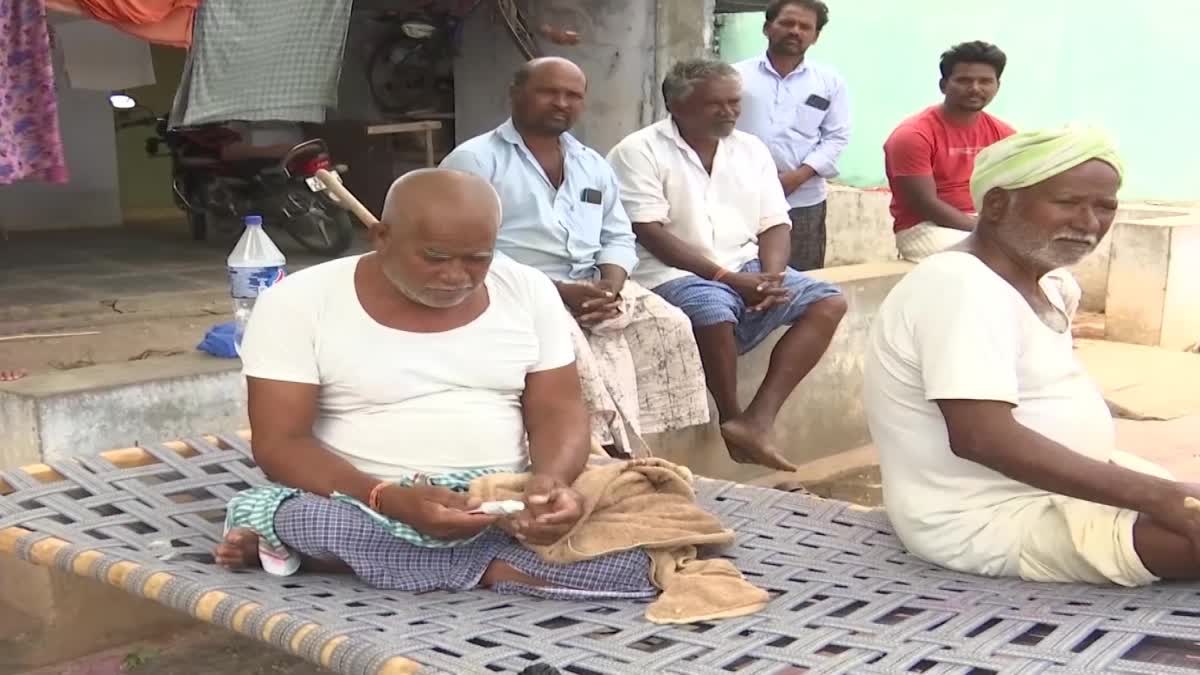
(240, 167)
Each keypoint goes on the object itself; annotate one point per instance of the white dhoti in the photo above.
(1069, 540)
(923, 240)
(641, 371)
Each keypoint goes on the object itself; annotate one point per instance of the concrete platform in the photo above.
(860, 227)
(87, 410)
(1143, 383)
(1153, 291)
(824, 416)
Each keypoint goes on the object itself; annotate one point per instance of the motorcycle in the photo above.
(218, 178)
(410, 69)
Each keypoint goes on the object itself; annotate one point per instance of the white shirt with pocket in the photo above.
(954, 329)
(394, 402)
(803, 117)
(662, 180)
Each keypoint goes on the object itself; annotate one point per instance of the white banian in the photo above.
(394, 402)
(953, 329)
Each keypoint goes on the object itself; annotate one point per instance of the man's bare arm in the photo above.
(614, 276)
(775, 248)
(986, 433)
(281, 418)
(674, 251)
(556, 421)
(921, 193)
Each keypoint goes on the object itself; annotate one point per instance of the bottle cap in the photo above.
(253, 220)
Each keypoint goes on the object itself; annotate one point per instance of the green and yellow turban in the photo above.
(1031, 157)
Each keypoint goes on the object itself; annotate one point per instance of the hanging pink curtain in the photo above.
(30, 142)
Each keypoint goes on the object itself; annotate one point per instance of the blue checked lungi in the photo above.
(255, 508)
(391, 555)
(708, 303)
(325, 529)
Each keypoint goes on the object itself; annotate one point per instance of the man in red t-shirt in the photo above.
(931, 155)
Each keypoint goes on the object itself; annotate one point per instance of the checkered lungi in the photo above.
(711, 302)
(255, 508)
(641, 372)
(808, 237)
(325, 529)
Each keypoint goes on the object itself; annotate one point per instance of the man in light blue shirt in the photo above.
(562, 214)
(801, 110)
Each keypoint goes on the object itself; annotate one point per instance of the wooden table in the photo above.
(426, 127)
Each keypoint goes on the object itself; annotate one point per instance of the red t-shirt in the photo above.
(926, 144)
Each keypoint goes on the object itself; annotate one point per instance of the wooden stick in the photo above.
(333, 185)
(40, 336)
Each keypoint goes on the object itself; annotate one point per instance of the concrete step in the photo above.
(87, 410)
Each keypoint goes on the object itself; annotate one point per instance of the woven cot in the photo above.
(847, 599)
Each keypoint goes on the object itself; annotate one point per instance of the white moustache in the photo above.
(1090, 241)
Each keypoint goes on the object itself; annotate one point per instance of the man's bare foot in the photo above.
(12, 375)
(239, 550)
(748, 444)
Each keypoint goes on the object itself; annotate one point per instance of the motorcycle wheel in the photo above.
(326, 229)
(400, 75)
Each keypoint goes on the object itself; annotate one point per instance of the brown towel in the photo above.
(648, 504)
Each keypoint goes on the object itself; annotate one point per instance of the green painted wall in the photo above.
(1125, 66)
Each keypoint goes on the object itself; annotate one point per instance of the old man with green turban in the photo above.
(998, 452)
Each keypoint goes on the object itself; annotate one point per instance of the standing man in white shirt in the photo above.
(998, 452)
(801, 110)
(712, 228)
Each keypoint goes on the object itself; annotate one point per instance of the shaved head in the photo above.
(546, 65)
(547, 96)
(440, 199)
(437, 235)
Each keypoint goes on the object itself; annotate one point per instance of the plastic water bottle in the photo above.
(255, 265)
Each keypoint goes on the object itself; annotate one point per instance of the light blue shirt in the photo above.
(556, 231)
(778, 110)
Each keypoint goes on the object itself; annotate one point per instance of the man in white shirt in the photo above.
(712, 228)
(381, 385)
(997, 450)
(801, 110)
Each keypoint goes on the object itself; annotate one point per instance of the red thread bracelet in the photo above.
(373, 497)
